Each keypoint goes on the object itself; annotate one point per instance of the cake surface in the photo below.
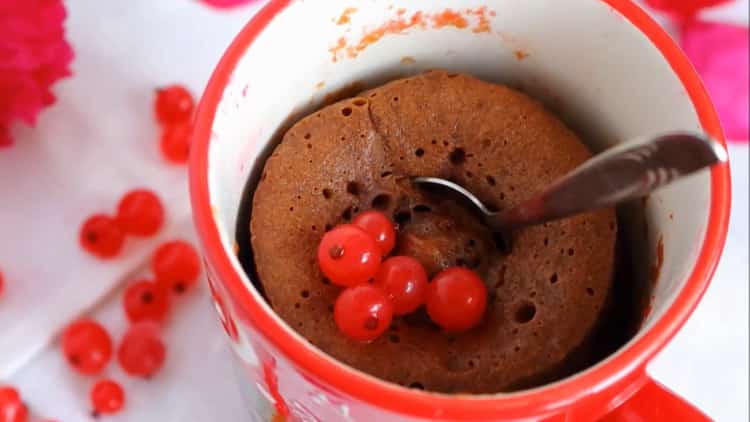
(546, 294)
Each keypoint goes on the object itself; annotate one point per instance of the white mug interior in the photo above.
(589, 65)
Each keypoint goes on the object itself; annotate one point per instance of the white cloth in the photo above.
(100, 140)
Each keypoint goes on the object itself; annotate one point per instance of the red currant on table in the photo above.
(146, 301)
(377, 225)
(87, 346)
(12, 408)
(101, 236)
(363, 312)
(140, 213)
(456, 299)
(107, 397)
(174, 104)
(348, 256)
(176, 265)
(142, 353)
(175, 142)
(404, 280)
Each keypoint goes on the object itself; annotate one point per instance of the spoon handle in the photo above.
(627, 171)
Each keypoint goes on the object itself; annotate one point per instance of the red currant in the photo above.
(377, 225)
(101, 236)
(142, 353)
(2, 284)
(140, 213)
(456, 299)
(175, 142)
(107, 397)
(87, 346)
(12, 408)
(363, 312)
(146, 301)
(174, 104)
(176, 265)
(404, 280)
(348, 256)
(683, 7)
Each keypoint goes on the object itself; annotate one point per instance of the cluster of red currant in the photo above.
(139, 213)
(174, 111)
(376, 290)
(87, 346)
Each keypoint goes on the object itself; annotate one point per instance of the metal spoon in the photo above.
(629, 170)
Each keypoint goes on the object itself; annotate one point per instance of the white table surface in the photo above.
(123, 50)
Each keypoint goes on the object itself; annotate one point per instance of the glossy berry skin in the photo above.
(175, 142)
(107, 397)
(12, 408)
(363, 313)
(348, 256)
(142, 353)
(404, 280)
(146, 301)
(101, 236)
(456, 299)
(87, 346)
(140, 213)
(174, 104)
(176, 266)
(377, 225)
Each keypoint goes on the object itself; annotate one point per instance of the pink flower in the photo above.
(33, 55)
(226, 4)
(719, 53)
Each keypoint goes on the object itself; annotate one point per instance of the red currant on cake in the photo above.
(363, 312)
(175, 142)
(146, 301)
(12, 408)
(348, 256)
(102, 236)
(107, 397)
(142, 353)
(377, 225)
(87, 346)
(176, 265)
(456, 299)
(404, 280)
(174, 104)
(140, 213)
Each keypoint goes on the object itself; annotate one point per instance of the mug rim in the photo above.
(631, 357)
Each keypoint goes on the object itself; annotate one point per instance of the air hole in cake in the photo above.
(446, 143)
(394, 338)
(469, 174)
(471, 242)
(359, 102)
(343, 138)
(452, 75)
(346, 111)
(490, 180)
(502, 195)
(291, 208)
(546, 241)
(457, 156)
(434, 142)
(421, 208)
(347, 214)
(386, 173)
(419, 152)
(571, 252)
(486, 142)
(326, 281)
(307, 136)
(305, 294)
(314, 227)
(517, 349)
(297, 305)
(402, 217)
(328, 227)
(353, 188)
(327, 193)
(309, 146)
(553, 278)
(589, 291)
(416, 385)
(395, 99)
(512, 188)
(514, 331)
(470, 363)
(532, 294)
(525, 312)
(381, 201)
(502, 243)
(330, 308)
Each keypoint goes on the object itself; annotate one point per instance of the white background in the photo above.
(100, 140)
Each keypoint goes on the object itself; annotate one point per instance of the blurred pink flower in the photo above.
(719, 53)
(226, 4)
(33, 55)
(683, 8)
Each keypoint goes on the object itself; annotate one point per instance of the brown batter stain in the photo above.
(408, 60)
(520, 54)
(402, 23)
(656, 269)
(320, 85)
(346, 16)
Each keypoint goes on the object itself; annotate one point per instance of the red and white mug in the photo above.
(611, 70)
